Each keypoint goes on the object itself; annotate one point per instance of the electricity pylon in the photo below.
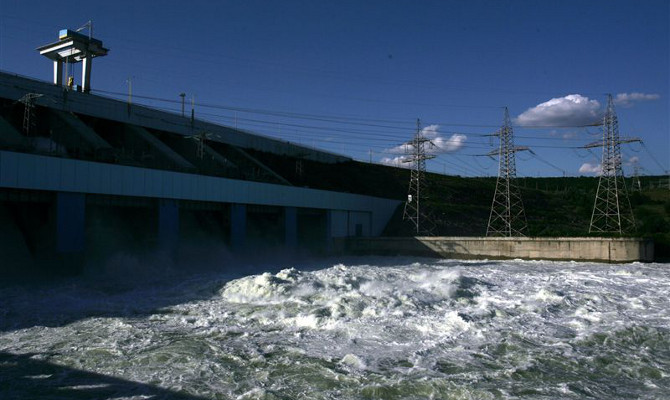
(28, 101)
(637, 185)
(200, 139)
(417, 184)
(507, 216)
(612, 212)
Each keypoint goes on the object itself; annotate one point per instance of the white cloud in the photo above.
(438, 144)
(627, 99)
(402, 149)
(633, 160)
(571, 110)
(430, 131)
(443, 145)
(396, 161)
(575, 110)
(588, 168)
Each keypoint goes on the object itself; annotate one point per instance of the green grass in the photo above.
(460, 206)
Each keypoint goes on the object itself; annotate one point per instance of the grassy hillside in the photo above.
(460, 206)
(554, 207)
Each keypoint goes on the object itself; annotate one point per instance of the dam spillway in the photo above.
(90, 175)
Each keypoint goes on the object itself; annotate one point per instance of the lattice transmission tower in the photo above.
(416, 149)
(636, 183)
(612, 212)
(507, 216)
(28, 101)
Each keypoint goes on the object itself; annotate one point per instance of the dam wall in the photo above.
(56, 97)
(58, 213)
(37, 172)
(560, 248)
(86, 178)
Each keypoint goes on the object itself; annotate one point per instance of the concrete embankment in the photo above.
(561, 248)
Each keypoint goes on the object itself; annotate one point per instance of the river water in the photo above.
(355, 328)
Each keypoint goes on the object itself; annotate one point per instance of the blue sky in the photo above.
(353, 76)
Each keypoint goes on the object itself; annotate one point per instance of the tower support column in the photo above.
(86, 73)
(58, 73)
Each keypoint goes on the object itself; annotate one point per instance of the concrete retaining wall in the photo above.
(562, 248)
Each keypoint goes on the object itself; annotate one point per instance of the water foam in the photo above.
(375, 329)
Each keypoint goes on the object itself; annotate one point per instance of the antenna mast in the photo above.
(612, 212)
(507, 216)
(417, 182)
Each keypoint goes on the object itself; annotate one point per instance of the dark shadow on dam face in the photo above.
(123, 269)
(312, 228)
(23, 376)
(46, 235)
(125, 273)
(112, 229)
(265, 227)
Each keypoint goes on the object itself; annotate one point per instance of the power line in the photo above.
(547, 163)
(354, 129)
(342, 119)
(663, 169)
(467, 169)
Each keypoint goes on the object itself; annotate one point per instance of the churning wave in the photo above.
(365, 328)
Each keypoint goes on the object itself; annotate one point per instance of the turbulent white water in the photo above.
(379, 328)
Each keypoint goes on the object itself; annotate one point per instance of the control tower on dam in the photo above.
(83, 177)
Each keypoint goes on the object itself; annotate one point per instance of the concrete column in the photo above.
(238, 226)
(291, 227)
(58, 73)
(70, 222)
(86, 73)
(168, 223)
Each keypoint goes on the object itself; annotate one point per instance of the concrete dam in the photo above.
(84, 176)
